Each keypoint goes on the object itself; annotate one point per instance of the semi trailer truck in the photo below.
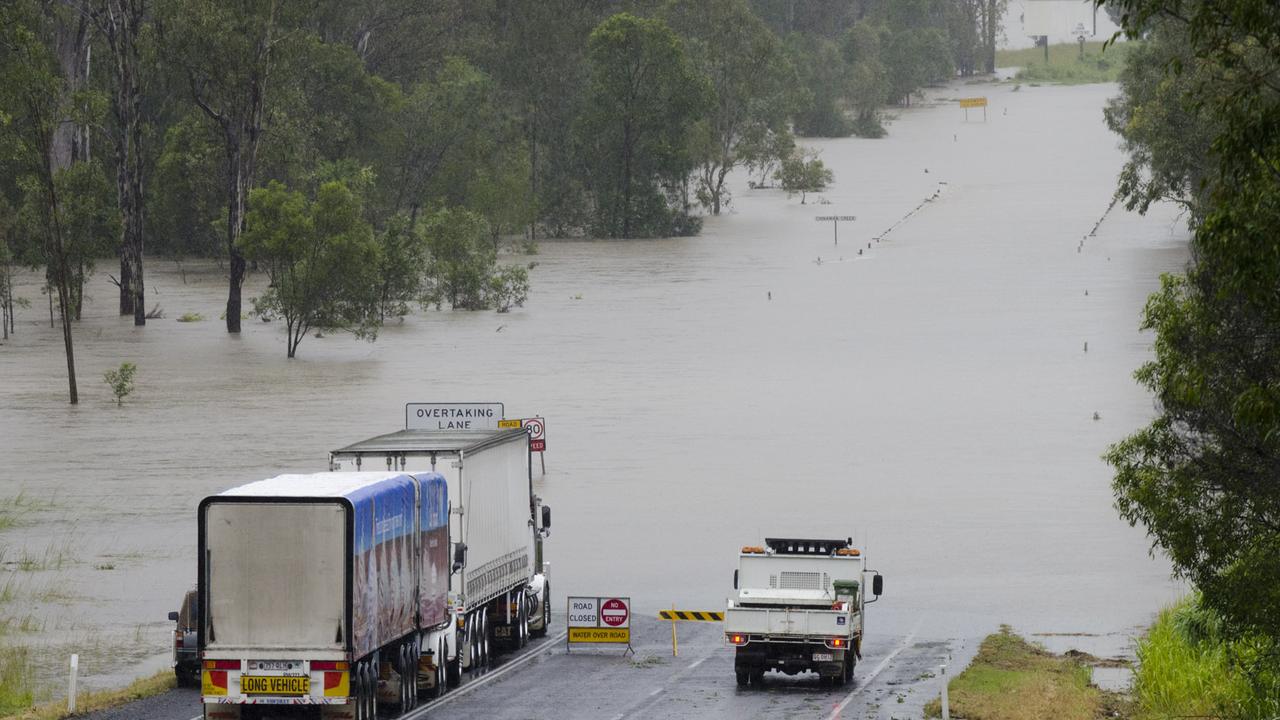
(499, 587)
(799, 607)
(315, 592)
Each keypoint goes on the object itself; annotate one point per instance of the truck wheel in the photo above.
(452, 668)
(406, 680)
(541, 630)
(757, 677)
(484, 639)
(522, 621)
(743, 678)
(849, 662)
(361, 689)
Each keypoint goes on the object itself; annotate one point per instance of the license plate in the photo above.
(823, 657)
(276, 665)
(275, 685)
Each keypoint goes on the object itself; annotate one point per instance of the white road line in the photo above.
(696, 663)
(506, 667)
(866, 682)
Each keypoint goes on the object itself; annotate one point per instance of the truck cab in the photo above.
(799, 607)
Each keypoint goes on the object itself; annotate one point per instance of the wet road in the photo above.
(896, 676)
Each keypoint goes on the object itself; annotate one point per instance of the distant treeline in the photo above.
(145, 127)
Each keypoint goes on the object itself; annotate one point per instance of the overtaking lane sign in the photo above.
(452, 416)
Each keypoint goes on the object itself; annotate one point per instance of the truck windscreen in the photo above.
(276, 574)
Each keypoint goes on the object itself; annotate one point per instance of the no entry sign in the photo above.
(615, 613)
(599, 620)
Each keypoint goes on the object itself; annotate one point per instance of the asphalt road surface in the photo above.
(896, 677)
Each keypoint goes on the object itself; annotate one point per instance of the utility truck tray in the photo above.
(783, 622)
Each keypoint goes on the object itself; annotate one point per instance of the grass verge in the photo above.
(1065, 65)
(1012, 679)
(92, 701)
(1187, 669)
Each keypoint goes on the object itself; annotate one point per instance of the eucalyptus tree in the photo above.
(229, 51)
(644, 98)
(752, 83)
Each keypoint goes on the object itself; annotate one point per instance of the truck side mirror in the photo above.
(735, 579)
(173, 616)
(877, 585)
(459, 556)
(546, 517)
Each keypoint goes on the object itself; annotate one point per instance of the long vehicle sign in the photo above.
(452, 416)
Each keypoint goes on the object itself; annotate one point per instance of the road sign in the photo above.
(974, 102)
(835, 221)
(537, 428)
(510, 424)
(537, 446)
(452, 416)
(615, 613)
(599, 620)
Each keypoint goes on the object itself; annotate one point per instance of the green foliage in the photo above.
(121, 381)
(462, 259)
(509, 286)
(1102, 62)
(190, 317)
(1202, 476)
(322, 259)
(1188, 666)
(752, 84)
(820, 111)
(1166, 130)
(644, 98)
(186, 204)
(803, 173)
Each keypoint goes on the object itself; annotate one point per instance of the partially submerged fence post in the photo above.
(946, 711)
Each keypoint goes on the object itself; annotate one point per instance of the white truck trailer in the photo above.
(316, 592)
(499, 589)
(799, 608)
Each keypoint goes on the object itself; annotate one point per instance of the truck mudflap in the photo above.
(235, 712)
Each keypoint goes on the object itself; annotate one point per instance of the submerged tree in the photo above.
(321, 257)
(643, 101)
(803, 173)
(752, 83)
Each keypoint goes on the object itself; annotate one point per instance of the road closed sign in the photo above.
(599, 620)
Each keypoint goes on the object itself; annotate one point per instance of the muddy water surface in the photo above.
(930, 396)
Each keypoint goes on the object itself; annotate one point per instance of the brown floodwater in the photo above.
(927, 393)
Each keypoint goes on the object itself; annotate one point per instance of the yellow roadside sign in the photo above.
(509, 424)
(973, 102)
(600, 635)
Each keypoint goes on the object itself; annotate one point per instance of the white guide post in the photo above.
(71, 688)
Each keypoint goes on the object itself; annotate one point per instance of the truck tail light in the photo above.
(736, 639)
(177, 639)
(221, 664)
(837, 643)
(329, 665)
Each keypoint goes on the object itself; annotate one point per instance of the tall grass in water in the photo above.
(17, 688)
(1187, 669)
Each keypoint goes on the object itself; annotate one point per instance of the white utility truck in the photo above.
(499, 590)
(799, 607)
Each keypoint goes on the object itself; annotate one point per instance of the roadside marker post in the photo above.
(71, 688)
(675, 616)
(946, 710)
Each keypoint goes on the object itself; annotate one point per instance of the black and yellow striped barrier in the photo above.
(675, 615)
(705, 615)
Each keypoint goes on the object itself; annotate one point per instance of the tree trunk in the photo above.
(235, 221)
(70, 142)
(121, 22)
(626, 181)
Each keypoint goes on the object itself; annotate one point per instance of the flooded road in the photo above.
(930, 397)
